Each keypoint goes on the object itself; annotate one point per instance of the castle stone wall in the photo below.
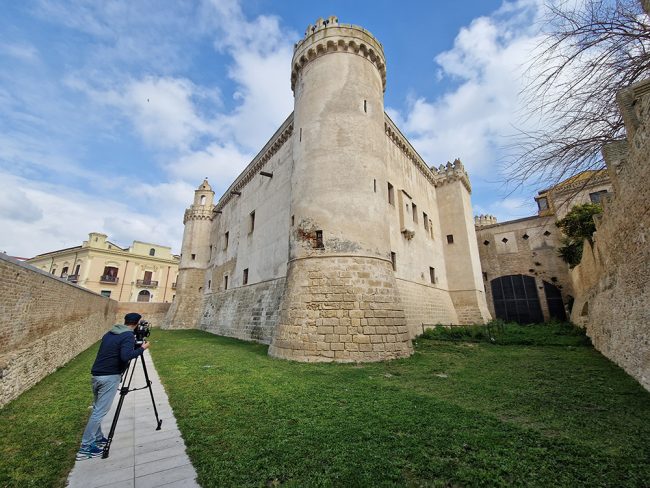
(44, 322)
(425, 306)
(612, 285)
(154, 313)
(247, 312)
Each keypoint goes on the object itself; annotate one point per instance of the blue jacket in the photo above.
(115, 352)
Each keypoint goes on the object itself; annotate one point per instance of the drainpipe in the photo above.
(119, 299)
(166, 283)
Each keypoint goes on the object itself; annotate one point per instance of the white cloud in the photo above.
(21, 51)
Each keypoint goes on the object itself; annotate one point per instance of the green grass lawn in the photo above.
(556, 413)
(518, 406)
(40, 431)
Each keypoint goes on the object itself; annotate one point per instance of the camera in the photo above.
(142, 330)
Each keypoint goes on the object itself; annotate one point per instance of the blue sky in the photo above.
(111, 113)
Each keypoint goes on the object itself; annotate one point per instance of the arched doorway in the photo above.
(516, 300)
(144, 296)
(554, 302)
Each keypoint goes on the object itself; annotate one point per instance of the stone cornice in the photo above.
(436, 176)
(328, 36)
(278, 139)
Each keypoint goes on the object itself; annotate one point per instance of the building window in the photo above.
(245, 276)
(110, 274)
(319, 239)
(450, 238)
(252, 222)
(225, 240)
(106, 293)
(393, 260)
(152, 252)
(64, 272)
(425, 219)
(225, 282)
(431, 228)
(293, 220)
(432, 274)
(542, 203)
(53, 271)
(391, 194)
(415, 212)
(147, 278)
(597, 197)
(374, 185)
(202, 199)
(209, 284)
(193, 257)
(76, 270)
(144, 296)
(365, 106)
(210, 255)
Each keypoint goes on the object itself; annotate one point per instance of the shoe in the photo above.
(87, 452)
(101, 442)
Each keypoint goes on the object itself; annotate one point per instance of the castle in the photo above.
(337, 242)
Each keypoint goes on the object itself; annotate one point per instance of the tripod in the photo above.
(130, 369)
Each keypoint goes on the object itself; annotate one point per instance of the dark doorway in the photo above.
(144, 296)
(516, 299)
(554, 301)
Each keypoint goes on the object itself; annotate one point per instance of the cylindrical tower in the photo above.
(196, 252)
(342, 300)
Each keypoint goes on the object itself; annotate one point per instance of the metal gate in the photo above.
(516, 299)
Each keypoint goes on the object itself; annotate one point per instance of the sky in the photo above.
(112, 113)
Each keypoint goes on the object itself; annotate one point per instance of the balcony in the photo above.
(146, 283)
(73, 278)
(174, 286)
(112, 280)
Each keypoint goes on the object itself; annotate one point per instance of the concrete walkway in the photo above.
(140, 456)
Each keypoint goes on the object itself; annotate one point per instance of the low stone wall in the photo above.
(44, 322)
(154, 313)
(425, 306)
(611, 282)
(248, 312)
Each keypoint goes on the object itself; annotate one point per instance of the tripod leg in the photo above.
(146, 376)
(123, 391)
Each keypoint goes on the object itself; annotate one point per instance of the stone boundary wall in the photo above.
(425, 306)
(152, 312)
(44, 323)
(248, 312)
(611, 282)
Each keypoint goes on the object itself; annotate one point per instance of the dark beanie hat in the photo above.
(132, 318)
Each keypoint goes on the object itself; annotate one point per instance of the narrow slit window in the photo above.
(425, 219)
(319, 239)
(391, 194)
(252, 222)
(415, 212)
(300, 137)
(245, 276)
(225, 282)
(431, 228)
(225, 240)
(209, 284)
(293, 220)
(432, 274)
(374, 184)
(393, 260)
(365, 106)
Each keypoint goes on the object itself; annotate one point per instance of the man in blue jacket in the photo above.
(115, 352)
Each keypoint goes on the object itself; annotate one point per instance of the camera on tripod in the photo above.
(142, 330)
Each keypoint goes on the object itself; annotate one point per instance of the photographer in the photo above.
(115, 352)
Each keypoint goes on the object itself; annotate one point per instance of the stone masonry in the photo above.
(612, 281)
(44, 323)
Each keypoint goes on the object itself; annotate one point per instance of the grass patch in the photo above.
(454, 414)
(40, 431)
(503, 333)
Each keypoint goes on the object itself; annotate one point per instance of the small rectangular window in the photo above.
(210, 255)
(293, 220)
(432, 274)
(225, 240)
(391, 194)
(450, 238)
(374, 185)
(597, 197)
(209, 284)
(365, 106)
(319, 239)
(393, 260)
(246, 276)
(542, 203)
(225, 282)
(415, 212)
(425, 219)
(193, 257)
(252, 222)
(431, 228)
(106, 293)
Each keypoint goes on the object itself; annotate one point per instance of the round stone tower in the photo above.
(196, 252)
(343, 301)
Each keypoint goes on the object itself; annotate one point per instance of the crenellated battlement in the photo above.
(198, 212)
(484, 220)
(450, 172)
(329, 36)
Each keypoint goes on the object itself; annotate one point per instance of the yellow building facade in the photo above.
(143, 272)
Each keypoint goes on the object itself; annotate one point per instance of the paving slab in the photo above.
(140, 456)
